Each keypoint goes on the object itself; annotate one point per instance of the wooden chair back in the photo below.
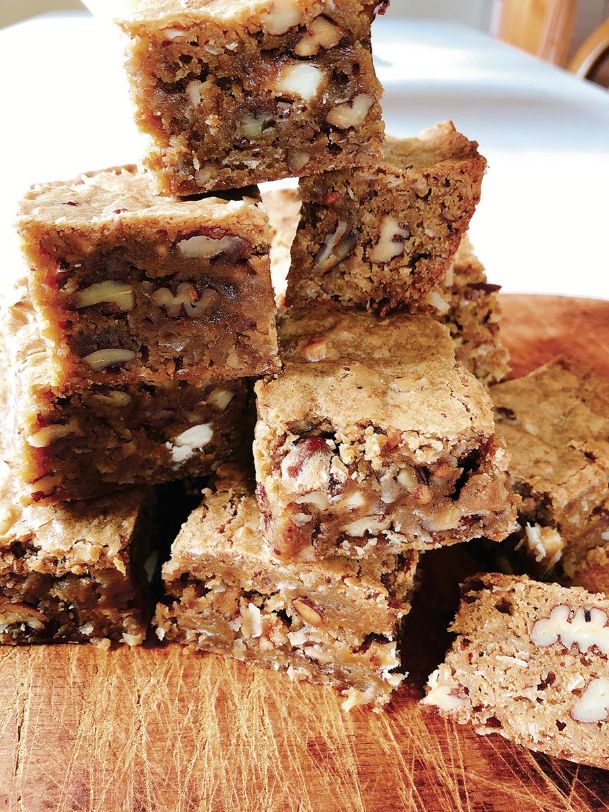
(592, 53)
(541, 27)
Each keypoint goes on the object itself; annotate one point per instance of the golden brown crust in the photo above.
(399, 373)
(555, 422)
(239, 17)
(530, 663)
(121, 196)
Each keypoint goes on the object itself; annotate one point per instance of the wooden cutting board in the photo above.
(150, 730)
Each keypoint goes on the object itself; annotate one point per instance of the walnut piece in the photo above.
(438, 302)
(186, 297)
(193, 91)
(281, 16)
(307, 611)
(45, 485)
(251, 621)
(545, 544)
(49, 434)
(350, 114)
(220, 398)
(367, 525)
(102, 359)
(337, 246)
(587, 628)
(201, 246)
(391, 240)
(108, 292)
(593, 705)
(297, 159)
(321, 34)
(315, 349)
(21, 613)
(307, 465)
(189, 441)
(252, 126)
(299, 79)
(112, 398)
(444, 692)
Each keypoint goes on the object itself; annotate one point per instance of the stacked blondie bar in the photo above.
(373, 443)
(148, 309)
(148, 313)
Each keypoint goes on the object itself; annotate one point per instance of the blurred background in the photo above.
(539, 110)
(552, 29)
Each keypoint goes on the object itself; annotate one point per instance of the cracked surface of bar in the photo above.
(233, 92)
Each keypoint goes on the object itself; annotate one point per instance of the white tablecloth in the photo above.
(543, 223)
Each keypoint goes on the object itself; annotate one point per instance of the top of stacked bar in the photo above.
(233, 93)
(242, 15)
(100, 197)
(135, 287)
(402, 372)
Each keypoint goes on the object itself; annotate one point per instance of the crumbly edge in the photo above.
(334, 621)
(54, 574)
(461, 496)
(518, 670)
(564, 511)
(473, 316)
(263, 632)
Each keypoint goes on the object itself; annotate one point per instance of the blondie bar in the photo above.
(382, 236)
(375, 438)
(469, 306)
(135, 287)
(555, 423)
(333, 622)
(530, 663)
(73, 573)
(463, 300)
(80, 443)
(77, 573)
(233, 92)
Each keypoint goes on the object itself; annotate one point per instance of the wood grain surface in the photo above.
(157, 729)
